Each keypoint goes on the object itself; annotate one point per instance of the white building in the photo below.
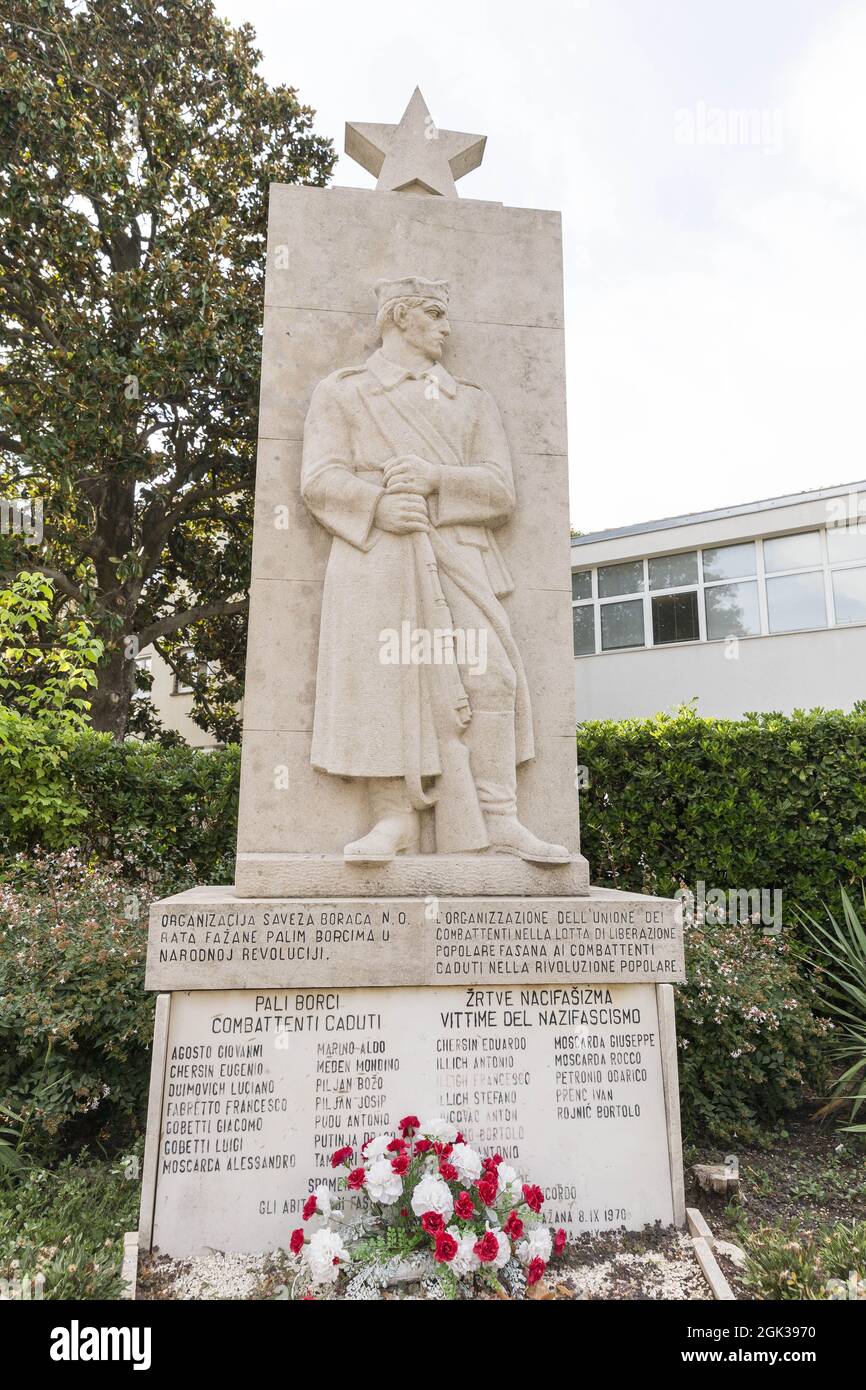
(756, 607)
(172, 699)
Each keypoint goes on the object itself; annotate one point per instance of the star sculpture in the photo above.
(414, 156)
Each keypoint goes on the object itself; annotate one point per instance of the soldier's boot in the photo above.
(396, 829)
(490, 738)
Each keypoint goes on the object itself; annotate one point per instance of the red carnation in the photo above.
(535, 1270)
(533, 1196)
(409, 1124)
(497, 1159)
(559, 1242)
(488, 1165)
(404, 1211)
(443, 1150)
(488, 1186)
(446, 1247)
(310, 1207)
(422, 1146)
(513, 1226)
(396, 1146)
(400, 1164)
(487, 1248)
(464, 1207)
(448, 1172)
(296, 1241)
(458, 1138)
(432, 1221)
(341, 1155)
(356, 1178)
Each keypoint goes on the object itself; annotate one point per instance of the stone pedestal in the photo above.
(317, 1000)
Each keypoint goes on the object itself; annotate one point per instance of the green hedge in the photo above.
(164, 814)
(769, 801)
(765, 802)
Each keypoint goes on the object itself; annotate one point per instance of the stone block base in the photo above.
(445, 875)
(208, 939)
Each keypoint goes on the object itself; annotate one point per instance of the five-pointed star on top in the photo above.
(414, 156)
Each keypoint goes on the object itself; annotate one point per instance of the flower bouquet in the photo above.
(427, 1192)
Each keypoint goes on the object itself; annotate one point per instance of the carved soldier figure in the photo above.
(409, 470)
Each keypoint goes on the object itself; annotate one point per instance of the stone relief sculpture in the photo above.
(420, 688)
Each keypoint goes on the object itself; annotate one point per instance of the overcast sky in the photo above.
(715, 261)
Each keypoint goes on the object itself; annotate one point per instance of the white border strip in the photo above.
(670, 1078)
(154, 1120)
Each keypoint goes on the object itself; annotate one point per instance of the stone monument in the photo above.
(412, 926)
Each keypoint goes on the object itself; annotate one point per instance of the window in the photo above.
(849, 595)
(581, 585)
(732, 610)
(620, 579)
(778, 584)
(143, 668)
(846, 543)
(187, 667)
(792, 552)
(796, 601)
(673, 571)
(675, 618)
(729, 561)
(583, 621)
(622, 624)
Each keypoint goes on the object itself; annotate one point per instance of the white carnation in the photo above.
(508, 1176)
(383, 1184)
(432, 1194)
(465, 1261)
(439, 1129)
(323, 1201)
(504, 1250)
(538, 1245)
(378, 1147)
(466, 1161)
(323, 1249)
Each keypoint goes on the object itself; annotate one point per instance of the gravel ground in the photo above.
(214, 1276)
(657, 1264)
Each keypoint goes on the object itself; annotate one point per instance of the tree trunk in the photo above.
(110, 701)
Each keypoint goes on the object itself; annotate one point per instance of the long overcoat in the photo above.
(359, 419)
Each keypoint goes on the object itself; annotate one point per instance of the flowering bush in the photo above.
(75, 1021)
(748, 1036)
(430, 1188)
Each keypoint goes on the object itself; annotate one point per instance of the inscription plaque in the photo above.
(260, 1087)
(207, 940)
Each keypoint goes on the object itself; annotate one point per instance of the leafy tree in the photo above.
(137, 142)
(46, 670)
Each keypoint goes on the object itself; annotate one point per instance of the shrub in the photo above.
(813, 1265)
(770, 801)
(75, 1022)
(68, 1226)
(168, 815)
(46, 667)
(165, 815)
(748, 1038)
